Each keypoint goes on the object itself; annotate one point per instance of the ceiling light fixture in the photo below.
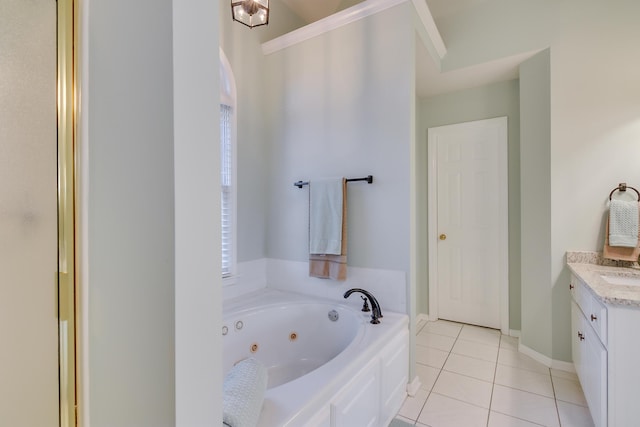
(251, 13)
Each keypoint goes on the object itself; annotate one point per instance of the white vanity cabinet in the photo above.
(606, 354)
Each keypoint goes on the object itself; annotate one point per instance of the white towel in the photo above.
(623, 223)
(325, 216)
(243, 394)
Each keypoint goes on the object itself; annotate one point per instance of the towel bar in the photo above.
(622, 187)
(368, 178)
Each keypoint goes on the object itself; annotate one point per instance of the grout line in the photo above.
(489, 410)
(555, 398)
(493, 386)
(518, 418)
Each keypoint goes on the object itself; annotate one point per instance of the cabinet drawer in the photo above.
(594, 311)
(597, 316)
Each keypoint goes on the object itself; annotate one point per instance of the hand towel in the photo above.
(243, 393)
(617, 252)
(623, 223)
(328, 229)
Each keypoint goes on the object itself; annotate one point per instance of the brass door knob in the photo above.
(443, 237)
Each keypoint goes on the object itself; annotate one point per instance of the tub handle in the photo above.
(365, 306)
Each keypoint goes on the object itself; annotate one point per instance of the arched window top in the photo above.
(227, 82)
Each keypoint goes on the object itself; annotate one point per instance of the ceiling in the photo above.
(312, 10)
(430, 81)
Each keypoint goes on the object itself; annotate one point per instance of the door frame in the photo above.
(432, 215)
(68, 303)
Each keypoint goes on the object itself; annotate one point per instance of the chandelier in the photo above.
(251, 13)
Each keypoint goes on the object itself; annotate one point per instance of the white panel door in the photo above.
(28, 214)
(471, 200)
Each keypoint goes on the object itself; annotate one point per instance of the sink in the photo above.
(621, 280)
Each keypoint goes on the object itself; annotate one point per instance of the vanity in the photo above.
(605, 330)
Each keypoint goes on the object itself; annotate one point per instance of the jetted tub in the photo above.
(320, 355)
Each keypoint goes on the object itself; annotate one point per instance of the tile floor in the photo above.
(473, 376)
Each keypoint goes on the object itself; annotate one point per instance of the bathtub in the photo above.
(328, 366)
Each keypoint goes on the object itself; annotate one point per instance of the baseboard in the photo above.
(563, 366)
(414, 386)
(514, 333)
(421, 320)
(545, 360)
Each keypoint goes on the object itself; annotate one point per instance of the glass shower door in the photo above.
(28, 214)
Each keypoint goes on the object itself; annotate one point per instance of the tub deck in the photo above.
(297, 402)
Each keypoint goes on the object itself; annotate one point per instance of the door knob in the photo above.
(443, 237)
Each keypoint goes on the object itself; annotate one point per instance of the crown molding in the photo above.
(352, 14)
(422, 9)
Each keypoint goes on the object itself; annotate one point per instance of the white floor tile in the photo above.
(524, 405)
(442, 411)
(574, 415)
(440, 342)
(413, 405)
(509, 342)
(420, 325)
(521, 361)
(443, 327)
(521, 379)
(476, 368)
(475, 350)
(428, 376)
(497, 419)
(569, 391)
(431, 356)
(481, 335)
(464, 388)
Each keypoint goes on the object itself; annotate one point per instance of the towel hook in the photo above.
(622, 187)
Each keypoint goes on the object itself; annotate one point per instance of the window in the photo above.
(228, 169)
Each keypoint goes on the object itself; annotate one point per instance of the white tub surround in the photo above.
(250, 277)
(388, 286)
(605, 313)
(365, 371)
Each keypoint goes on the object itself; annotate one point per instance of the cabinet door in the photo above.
(395, 376)
(596, 389)
(577, 349)
(357, 404)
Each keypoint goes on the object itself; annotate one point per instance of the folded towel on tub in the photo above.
(243, 393)
(623, 223)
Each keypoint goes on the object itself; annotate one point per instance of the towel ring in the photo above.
(622, 187)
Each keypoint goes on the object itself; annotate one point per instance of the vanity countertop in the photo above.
(614, 294)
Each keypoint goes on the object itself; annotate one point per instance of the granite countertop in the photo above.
(614, 294)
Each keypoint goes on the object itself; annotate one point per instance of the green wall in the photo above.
(535, 150)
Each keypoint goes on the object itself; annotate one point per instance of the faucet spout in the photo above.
(376, 313)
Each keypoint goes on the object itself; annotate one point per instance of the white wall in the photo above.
(131, 218)
(340, 106)
(154, 294)
(242, 47)
(595, 133)
(198, 278)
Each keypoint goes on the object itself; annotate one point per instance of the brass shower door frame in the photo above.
(66, 275)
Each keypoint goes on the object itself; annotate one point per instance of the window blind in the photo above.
(226, 193)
